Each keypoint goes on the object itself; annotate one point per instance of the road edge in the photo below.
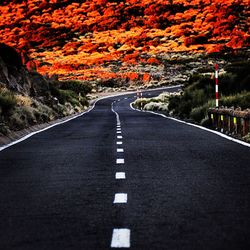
(25, 137)
(194, 125)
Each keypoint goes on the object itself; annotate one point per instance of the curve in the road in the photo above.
(76, 116)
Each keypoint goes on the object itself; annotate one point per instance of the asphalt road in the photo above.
(173, 187)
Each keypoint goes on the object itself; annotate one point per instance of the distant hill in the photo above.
(107, 39)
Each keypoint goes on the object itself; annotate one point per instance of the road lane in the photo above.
(56, 187)
(188, 188)
(184, 188)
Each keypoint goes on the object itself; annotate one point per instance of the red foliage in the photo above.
(146, 77)
(153, 60)
(76, 36)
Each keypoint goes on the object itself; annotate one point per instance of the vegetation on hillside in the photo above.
(107, 38)
(18, 111)
(198, 94)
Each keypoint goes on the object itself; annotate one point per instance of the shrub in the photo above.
(66, 96)
(7, 101)
(205, 122)
(174, 103)
(76, 86)
(247, 138)
(73, 92)
(239, 100)
(198, 113)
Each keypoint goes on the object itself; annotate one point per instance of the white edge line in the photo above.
(62, 122)
(194, 125)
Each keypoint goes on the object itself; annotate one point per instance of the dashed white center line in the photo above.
(120, 238)
(120, 175)
(121, 198)
(119, 161)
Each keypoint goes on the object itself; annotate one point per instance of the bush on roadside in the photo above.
(76, 86)
(239, 100)
(198, 113)
(7, 101)
(199, 92)
(73, 92)
(247, 138)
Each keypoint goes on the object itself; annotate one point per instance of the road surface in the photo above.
(119, 178)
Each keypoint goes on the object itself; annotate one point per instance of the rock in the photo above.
(17, 78)
(40, 87)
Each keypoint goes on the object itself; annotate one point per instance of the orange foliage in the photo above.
(84, 37)
(146, 77)
(132, 76)
(153, 60)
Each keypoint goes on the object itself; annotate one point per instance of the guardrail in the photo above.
(230, 121)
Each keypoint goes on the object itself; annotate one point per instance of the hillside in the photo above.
(129, 39)
(27, 98)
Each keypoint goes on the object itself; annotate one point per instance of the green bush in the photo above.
(205, 122)
(7, 101)
(239, 100)
(174, 102)
(199, 93)
(76, 86)
(240, 82)
(66, 96)
(247, 138)
(73, 92)
(198, 113)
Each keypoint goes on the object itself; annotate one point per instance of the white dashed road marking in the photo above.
(121, 198)
(120, 175)
(121, 238)
(119, 161)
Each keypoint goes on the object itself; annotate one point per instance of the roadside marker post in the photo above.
(141, 99)
(216, 85)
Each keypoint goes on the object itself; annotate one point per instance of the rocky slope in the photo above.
(28, 98)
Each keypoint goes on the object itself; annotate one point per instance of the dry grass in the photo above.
(24, 100)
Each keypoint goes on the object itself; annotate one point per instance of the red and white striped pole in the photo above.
(141, 100)
(216, 85)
